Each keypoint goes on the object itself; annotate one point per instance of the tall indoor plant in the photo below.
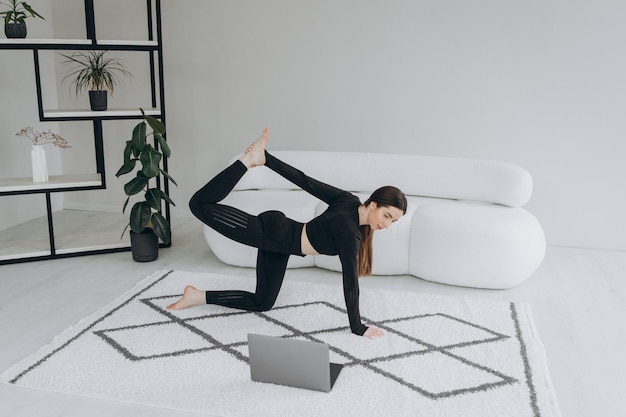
(146, 221)
(94, 71)
(15, 16)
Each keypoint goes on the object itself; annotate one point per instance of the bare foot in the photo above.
(255, 154)
(373, 332)
(191, 297)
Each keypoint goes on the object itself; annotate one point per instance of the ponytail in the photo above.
(365, 251)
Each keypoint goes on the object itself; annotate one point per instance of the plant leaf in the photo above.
(128, 150)
(135, 185)
(31, 11)
(153, 198)
(166, 198)
(125, 204)
(165, 148)
(150, 160)
(139, 216)
(155, 124)
(161, 228)
(166, 175)
(139, 136)
(126, 168)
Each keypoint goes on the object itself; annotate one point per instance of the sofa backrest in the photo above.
(427, 176)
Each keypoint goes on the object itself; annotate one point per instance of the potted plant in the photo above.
(15, 16)
(147, 224)
(94, 71)
(38, 153)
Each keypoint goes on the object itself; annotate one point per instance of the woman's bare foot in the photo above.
(191, 297)
(255, 154)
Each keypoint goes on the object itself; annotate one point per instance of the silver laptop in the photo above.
(295, 363)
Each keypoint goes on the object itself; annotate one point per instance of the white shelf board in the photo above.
(127, 42)
(56, 181)
(47, 41)
(106, 42)
(106, 113)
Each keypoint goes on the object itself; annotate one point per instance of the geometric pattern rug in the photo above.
(440, 355)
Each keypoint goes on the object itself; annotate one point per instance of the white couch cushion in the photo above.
(452, 178)
(475, 244)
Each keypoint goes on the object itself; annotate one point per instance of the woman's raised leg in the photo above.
(223, 183)
(229, 221)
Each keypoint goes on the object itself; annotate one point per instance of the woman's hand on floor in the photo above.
(373, 332)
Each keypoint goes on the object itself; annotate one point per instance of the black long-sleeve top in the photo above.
(334, 232)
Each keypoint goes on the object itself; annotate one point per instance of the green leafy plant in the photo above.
(18, 11)
(146, 213)
(92, 70)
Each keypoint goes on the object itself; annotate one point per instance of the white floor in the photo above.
(578, 299)
(31, 238)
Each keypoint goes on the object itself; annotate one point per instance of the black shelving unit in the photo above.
(21, 186)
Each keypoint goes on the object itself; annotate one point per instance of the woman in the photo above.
(344, 229)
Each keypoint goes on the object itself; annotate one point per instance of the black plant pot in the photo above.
(144, 245)
(98, 100)
(15, 30)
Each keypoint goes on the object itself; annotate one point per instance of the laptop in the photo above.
(295, 363)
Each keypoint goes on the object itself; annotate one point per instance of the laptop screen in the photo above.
(295, 363)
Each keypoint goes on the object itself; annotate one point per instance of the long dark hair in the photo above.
(387, 196)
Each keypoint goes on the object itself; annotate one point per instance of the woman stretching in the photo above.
(344, 229)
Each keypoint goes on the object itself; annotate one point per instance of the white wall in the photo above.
(539, 83)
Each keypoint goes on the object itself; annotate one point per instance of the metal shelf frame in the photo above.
(154, 46)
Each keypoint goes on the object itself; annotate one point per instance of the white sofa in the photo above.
(464, 226)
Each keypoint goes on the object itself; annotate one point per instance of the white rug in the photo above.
(440, 356)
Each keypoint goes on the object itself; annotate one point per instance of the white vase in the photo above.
(40, 165)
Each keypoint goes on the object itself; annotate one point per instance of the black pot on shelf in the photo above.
(15, 30)
(98, 100)
(144, 246)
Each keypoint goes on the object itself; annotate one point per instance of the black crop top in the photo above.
(334, 232)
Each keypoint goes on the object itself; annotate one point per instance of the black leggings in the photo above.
(275, 236)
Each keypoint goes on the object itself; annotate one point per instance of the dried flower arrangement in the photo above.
(44, 138)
